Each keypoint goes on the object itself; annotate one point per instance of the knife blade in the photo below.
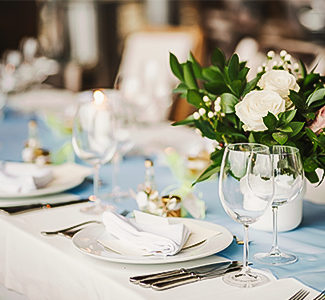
(12, 210)
(159, 286)
(213, 266)
(196, 272)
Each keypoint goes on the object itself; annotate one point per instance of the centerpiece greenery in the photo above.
(283, 104)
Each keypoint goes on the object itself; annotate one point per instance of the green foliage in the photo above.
(215, 91)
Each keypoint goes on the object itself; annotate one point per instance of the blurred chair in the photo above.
(147, 80)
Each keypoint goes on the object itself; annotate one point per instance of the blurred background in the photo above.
(90, 42)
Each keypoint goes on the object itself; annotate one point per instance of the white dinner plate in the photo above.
(66, 176)
(86, 241)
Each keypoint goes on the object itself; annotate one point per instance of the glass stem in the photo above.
(96, 184)
(275, 248)
(246, 250)
(116, 170)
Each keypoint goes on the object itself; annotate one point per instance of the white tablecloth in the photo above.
(52, 268)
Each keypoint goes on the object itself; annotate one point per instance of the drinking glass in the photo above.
(246, 190)
(126, 129)
(288, 183)
(93, 138)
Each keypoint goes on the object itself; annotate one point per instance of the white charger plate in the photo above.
(86, 242)
(66, 176)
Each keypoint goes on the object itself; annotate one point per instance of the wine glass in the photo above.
(93, 138)
(246, 190)
(126, 128)
(288, 179)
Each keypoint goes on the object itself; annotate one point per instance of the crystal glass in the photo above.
(289, 180)
(125, 133)
(246, 190)
(93, 138)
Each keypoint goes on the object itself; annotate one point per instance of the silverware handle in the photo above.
(149, 282)
(137, 279)
(159, 286)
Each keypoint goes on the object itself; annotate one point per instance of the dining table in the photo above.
(38, 267)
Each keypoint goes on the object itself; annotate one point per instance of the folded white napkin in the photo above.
(159, 240)
(23, 177)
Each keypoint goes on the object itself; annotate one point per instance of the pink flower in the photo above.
(319, 122)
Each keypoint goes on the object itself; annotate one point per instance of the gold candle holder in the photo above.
(171, 206)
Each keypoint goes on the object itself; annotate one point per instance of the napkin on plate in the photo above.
(156, 239)
(23, 177)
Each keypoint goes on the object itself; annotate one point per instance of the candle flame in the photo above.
(99, 97)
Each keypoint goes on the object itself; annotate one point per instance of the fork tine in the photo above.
(300, 295)
(321, 296)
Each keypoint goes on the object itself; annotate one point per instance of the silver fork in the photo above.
(300, 295)
(71, 231)
(321, 296)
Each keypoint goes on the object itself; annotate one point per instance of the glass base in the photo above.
(94, 209)
(275, 259)
(245, 280)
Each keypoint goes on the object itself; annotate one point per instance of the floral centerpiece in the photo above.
(283, 104)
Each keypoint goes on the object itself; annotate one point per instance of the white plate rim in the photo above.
(58, 185)
(85, 242)
(47, 190)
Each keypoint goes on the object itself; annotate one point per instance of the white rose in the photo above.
(279, 81)
(255, 106)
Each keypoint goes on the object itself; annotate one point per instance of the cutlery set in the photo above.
(18, 209)
(178, 277)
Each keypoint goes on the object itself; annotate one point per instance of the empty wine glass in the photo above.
(246, 190)
(288, 179)
(93, 138)
(126, 128)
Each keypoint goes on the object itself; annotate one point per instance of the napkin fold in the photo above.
(23, 177)
(159, 240)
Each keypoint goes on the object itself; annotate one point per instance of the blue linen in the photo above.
(307, 241)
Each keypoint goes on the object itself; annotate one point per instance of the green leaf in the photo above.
(181, 88)
(236, 87)
(309, 115)
(195, 98)
(303, 69)
(222, 128)
(218, 58)
(213, 73)
(310, 79)
(312, 177)
(216, 88)
(206, 128)
(296, 99)
(251, 84)
(270, 121)
(208, 172)
(285, 129)
(286, 117)
(196, 66)
(188, 121)
(228, 102)
(243, 73)
(296, 128)
(176, 67)
(280, 137)
(312, 136)
(310, 165)
(233, 67)
(316, 96)
(268, 140)
(216, 156)
(189, 76)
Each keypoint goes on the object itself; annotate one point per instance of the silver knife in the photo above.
(159, 286)
(209, 267)
(17, 209)
(193, 272)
